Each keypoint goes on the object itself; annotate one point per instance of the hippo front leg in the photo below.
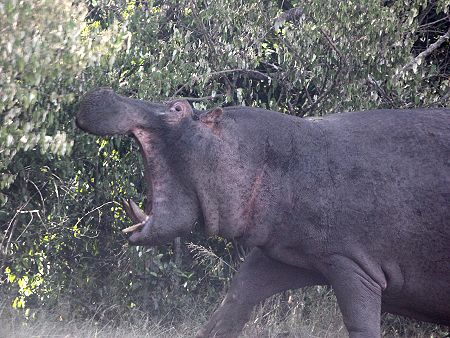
(258, 277)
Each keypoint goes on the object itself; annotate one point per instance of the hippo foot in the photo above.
(226, 322)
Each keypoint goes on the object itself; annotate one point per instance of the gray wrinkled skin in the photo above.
(359, 201)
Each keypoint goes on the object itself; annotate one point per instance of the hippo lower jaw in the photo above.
(141, 232)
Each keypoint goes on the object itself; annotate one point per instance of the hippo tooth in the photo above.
(133, 228)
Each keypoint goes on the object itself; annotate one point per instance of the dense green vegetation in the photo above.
(60, 217)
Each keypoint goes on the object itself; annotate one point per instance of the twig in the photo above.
(199, 99)
(325, 92)
(31, 212)
(39, 192)
(329, 40)
(11, 226)
(325, 80)
(340, 65)
(209, 40)
(331, 43)
(190, 82)
(381, 91)
(4, 246)
(130, 71)
(255, 74)
(342, 62)
(93, 210)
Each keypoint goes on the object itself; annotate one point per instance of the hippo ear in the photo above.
(213, 116)
(178, 110)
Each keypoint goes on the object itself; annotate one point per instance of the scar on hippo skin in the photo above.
(250, 208)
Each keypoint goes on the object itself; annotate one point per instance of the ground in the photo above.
(306, 314)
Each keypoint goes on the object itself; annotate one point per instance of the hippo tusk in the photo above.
(138, 212)
(137, 226)
(133, 228)
(133, 211)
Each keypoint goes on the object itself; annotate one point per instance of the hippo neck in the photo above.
(243, 181)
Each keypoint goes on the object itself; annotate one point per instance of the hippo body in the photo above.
(359, 201)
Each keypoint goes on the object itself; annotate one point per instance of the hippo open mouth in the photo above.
(139, 217)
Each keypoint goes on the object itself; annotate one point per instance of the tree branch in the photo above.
(431, 48)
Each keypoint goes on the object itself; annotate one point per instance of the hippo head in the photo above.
(172, 206)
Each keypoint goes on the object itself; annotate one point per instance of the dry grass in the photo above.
(311, 313)
(50, 326)
(308, 314)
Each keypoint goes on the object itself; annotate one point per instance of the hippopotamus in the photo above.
(359, 201)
